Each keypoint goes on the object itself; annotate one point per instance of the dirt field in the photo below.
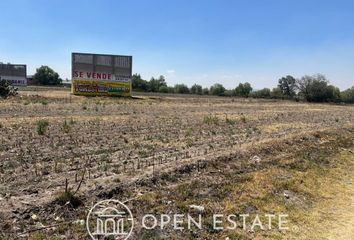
(165, 153)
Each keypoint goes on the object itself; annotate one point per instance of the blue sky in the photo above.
(188, 42)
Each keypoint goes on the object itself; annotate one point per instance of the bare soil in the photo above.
(165, 153)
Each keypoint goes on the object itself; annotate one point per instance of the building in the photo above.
(14, 73)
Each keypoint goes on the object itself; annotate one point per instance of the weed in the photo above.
(243, 118)
(229, 121)
(44, 102)
(36, 236)
(211, 120)
(189, 142)
(66, 127)
(68, 197)
(236, 236)
(189, 132)
(42, 126)
(184, 191)
(209, 224)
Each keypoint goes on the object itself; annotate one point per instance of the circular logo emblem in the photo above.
(110, 219)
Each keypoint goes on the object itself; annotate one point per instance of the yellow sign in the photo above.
(102, 88)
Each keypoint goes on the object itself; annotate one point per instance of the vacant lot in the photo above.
(165, 153)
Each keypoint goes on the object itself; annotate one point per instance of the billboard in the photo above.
(101, 74)
(16, 74)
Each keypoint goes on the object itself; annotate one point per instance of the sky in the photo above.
(187, 41)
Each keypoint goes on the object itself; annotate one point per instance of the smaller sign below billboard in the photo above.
(14, 80)
(15, 74)
(100, 74)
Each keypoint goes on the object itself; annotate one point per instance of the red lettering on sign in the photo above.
(93, 75)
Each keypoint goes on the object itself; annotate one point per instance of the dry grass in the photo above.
(137, 139)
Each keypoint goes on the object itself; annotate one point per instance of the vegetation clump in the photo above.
(42, 126)
(6, 89)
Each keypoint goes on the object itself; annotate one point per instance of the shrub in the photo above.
(211, 120)
(243, 118)
(6, 89)
(66, 127)
(42, 126)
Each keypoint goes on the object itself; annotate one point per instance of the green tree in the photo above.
(262, 93)
(139, 84)
(217, 89)
(196, 89)
(205, 91)
(316, 89)
(287, 85)
(347, 96)
(229, 93)
(181, 88)
(155, 84)
(46, 76)
(276, 93)
(163, 89)
(243, 89)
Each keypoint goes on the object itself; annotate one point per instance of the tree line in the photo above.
(315, 88)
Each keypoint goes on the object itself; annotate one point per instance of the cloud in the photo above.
(171, 71)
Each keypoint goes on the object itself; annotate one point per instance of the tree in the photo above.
(287, 85)
(181, 88)
(316, 89)
(229, 93)
(263, 93)
(243, 90)
(155, 84)
(196, 89)
(347, 96)
(205, 91)
(333, 94)
(139, 84)
(163, 89)
(217, 89)
(276, 93)
(6, 89)
(46, 76)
